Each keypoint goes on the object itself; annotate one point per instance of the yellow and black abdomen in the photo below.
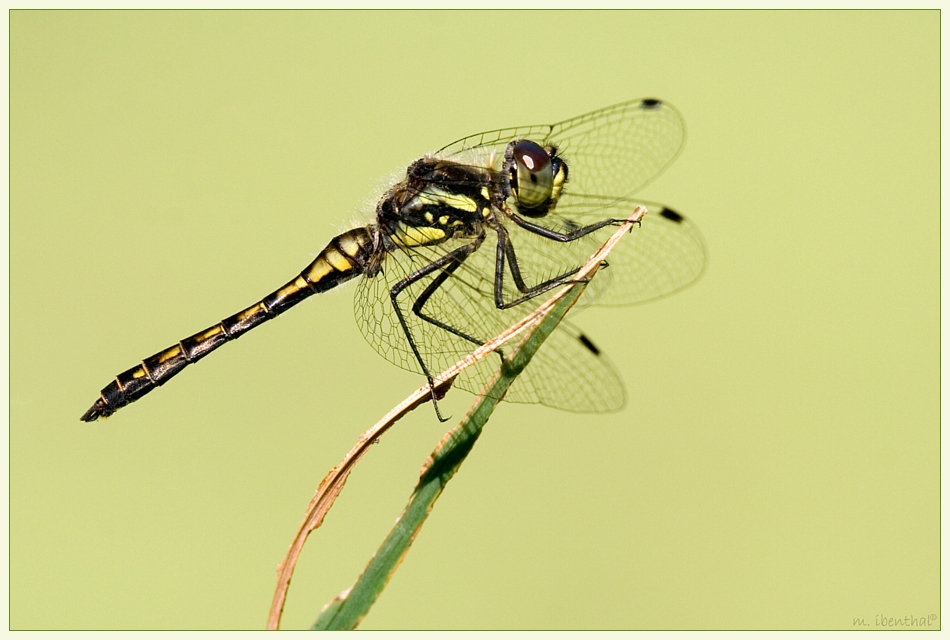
(344, 258)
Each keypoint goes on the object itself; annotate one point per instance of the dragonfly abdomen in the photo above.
(343, 259)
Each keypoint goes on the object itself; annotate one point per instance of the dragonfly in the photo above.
(467, 242)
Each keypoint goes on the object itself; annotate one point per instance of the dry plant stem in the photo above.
(333, 482)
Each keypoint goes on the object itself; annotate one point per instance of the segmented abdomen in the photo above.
(343, 259)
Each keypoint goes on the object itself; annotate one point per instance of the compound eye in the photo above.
(535, 175)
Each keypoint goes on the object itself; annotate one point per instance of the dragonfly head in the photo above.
(535, 176)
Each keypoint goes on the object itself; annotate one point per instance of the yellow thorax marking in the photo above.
(416, 236)
(435, 195)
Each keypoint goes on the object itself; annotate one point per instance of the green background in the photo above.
(776, 467)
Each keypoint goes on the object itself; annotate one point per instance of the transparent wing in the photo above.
(566, 373)
(496, 140)
(617, 150)
(663, 255)
(611, 151)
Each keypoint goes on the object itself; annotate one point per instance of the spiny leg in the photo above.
(417, 307)
(557, 236)
(451, 261)
(505, 250)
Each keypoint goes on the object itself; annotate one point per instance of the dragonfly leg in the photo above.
(417, 307)
(505, 251)
(448, 263)
(580, 232)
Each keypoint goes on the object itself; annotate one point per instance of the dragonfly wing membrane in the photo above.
(564, 374)
(619, 149)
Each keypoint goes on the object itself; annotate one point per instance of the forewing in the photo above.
(616, 150)
(495, 140)
(612, 151)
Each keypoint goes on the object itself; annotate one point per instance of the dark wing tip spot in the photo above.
(669, 214)
(590, 345)
(650, 103)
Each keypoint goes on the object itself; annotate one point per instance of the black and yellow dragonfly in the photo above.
(464, 244)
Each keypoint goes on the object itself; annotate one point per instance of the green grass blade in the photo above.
(346, 611)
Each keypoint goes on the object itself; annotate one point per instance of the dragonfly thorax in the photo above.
(438, 200)
(441, 199)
